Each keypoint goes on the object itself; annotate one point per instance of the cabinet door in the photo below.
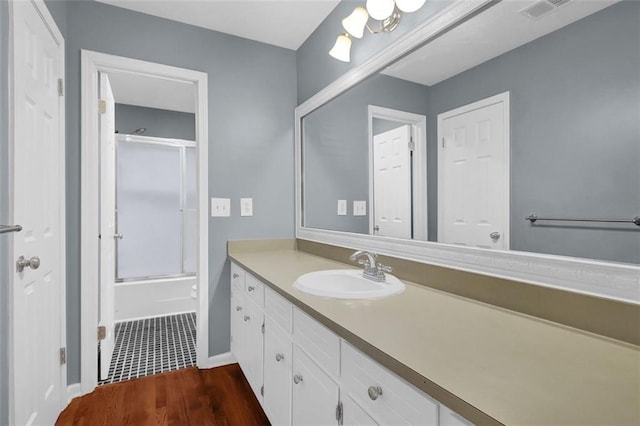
(237, 325)
(315, 395)
(354, 415)
(253, 321)
(278, 359)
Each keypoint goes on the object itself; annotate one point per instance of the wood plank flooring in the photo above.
(217, 396)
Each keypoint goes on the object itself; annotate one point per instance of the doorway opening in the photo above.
(397, 173)
(144, 219)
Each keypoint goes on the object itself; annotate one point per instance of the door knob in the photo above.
(279, 357)
(376, 228)
(297, 379)
(235, 275)
(495, 236)
(118, 236)
(374, 392)
(33, 263)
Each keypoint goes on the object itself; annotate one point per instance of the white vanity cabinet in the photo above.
(247, 320)
(309, 375)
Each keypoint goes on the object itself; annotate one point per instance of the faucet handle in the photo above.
(385, 268)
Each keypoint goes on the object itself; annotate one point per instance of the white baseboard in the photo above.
(73, 391)
(221, 359)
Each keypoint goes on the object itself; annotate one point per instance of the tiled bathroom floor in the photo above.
(152, 346)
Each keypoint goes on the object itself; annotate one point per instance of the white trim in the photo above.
(419, 175)
(73, 391)
(91, 63)
(120, 137)
(603, 279)
(222, 360)
(502, 98)
(43, 10)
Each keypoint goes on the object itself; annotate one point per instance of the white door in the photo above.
(236, 331)
(473, 174)
(278, 351)
(315, 394)
(38, 203)
(392, 183)
(108, 231)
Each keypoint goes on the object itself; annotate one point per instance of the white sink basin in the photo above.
(347, 284)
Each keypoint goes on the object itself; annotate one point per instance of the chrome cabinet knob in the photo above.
(279, 357)
(297, 379)
(251, 288)
(235, 275)
(33, 263)
(374, 392)
(246, 318)
(118, 236)
(495, 236)
(238, 308)
(376, 228)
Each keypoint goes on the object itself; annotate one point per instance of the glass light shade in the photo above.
(380, 9)
(354, 23)
(342, 49)
(409, 6)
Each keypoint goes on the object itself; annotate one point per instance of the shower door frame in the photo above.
(91, 64)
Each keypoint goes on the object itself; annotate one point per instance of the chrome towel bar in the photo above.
(4, 229)
(534, 217)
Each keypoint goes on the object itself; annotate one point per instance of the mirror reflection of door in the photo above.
(397, 173)
(473, 174)
(392, 182)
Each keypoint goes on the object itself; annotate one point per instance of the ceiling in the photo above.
(280, 23)
(152, 92)
(495, 31)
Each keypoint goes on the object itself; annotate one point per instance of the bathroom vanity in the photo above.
(419, 357)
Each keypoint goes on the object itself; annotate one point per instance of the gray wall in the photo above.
(316, 69)
(335, 147)
(575, 132)
(252, 95)
(160, 123)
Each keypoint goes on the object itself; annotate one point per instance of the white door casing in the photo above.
(37, 376)
(108, 229)
(392, 183)
(91, 64)
(473, 174)
(418, 124)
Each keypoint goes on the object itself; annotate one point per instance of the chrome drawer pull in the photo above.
(297, 379)
(238, 308)
(246, 318)
(251, 288)
(279, 357)
(235, 275)
(374, 392)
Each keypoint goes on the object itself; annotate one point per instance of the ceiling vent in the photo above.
(542, 7)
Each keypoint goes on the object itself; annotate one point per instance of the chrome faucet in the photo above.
(373, 270)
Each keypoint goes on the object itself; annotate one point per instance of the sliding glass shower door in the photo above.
(156, 208)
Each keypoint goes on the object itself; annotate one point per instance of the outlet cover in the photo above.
(359, 208)
(220, 207)
(342, 207)
(246, 206)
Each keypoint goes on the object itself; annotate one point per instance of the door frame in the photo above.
(419, 195)
(503, 98)
(43, 10)
(92, 63)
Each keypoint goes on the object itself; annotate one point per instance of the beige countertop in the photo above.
(514, 368)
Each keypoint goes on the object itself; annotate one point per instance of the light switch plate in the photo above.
(359, 208)
(246, 206)
(342, 207)
(220, 207)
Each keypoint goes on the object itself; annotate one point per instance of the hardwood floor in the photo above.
(217, 396)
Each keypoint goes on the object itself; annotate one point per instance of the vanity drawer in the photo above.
(237, 276)
(254, 290)
(278, 309)
(399, 403)
(317, 341)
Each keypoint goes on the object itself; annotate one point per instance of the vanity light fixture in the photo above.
(388, 12)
